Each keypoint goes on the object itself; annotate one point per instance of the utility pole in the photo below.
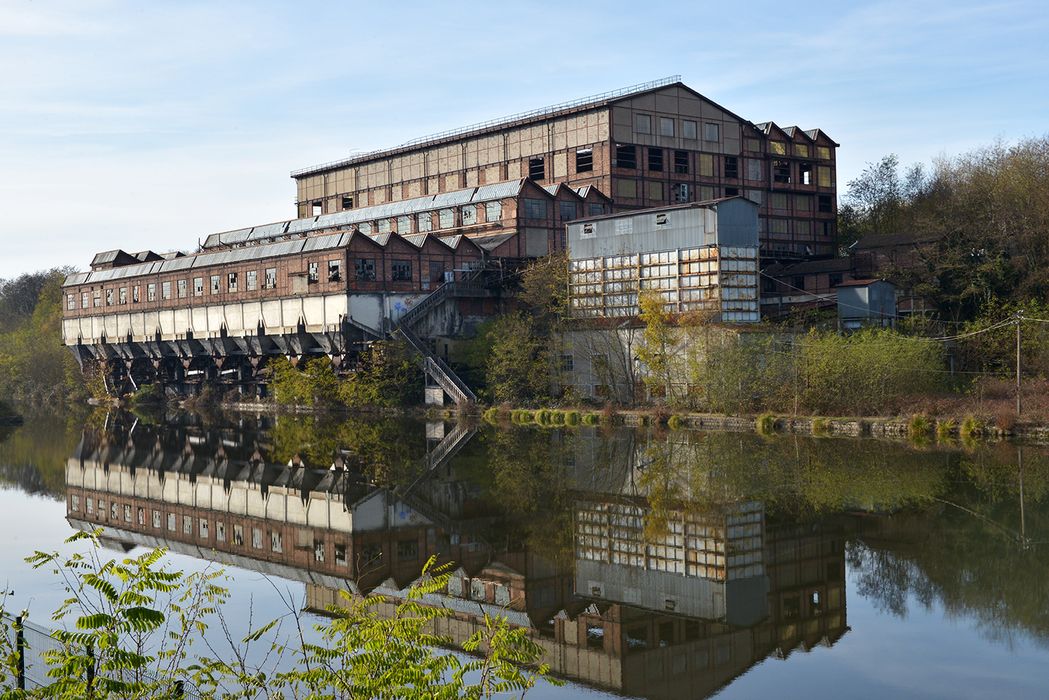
(1019, 403)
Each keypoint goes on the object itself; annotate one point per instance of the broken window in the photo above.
(778, 148)
(276, 541)
(689, 129)
(231, 281)
(536, 168)
(318, 551)
(584, 160)
(732, 167)
(183, 289)
(238, 534)
(135, 298)
(84, 300)
(214, 284)
(626, 156)
(165, 290)
(347, 202)
(805, 173)
(655, 159)
(365, 268)
(70, 302)
(252, 281)
(270, 280)
(109, 297)
(312, 272)
(334, 270)
(122, 296)
(681, 192)
(469, 215)
(493, 211)
(151, 291)
(781, 171)
(681, 162)
(340, 554)
(666, 126)
(711, 131)
(401, 270)
(198, 286)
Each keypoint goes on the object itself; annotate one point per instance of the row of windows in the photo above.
(669, 126)
(201, 527)
(364, 268)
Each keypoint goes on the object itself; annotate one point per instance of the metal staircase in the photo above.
(433, 366)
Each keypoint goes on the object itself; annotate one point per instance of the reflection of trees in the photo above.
(33, 456)
(388, 450)
(966, 552)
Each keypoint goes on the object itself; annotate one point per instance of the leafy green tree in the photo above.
(131, 627)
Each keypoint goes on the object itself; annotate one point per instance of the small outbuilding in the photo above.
(866, 302)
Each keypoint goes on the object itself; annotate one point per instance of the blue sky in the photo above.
(152, 124)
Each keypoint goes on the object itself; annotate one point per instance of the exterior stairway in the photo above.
(434, 367)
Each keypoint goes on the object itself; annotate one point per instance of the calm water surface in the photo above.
(648, 564)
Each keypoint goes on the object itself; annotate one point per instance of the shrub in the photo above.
(971, 427)
(571, 417)
(491, 415)
(557, 417)
(945, 429)
(660, 415)
(1005, 420)
(919, 426)
(522, 416)
(676, 422)
(543, 416)
(820, 426)
(766, 424)
(591, 419)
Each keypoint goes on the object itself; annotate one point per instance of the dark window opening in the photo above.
(781, 171)
(313, 272)
(824, 203)
(791, 608)
(798, 282)
(595, 636)
(732, 167)
(681, 192)
(536, 168)
(655, 159)
(666, 634)
(347, 202)
(681, 162)
(731, 191)
(835, 279)
(334, 270)
(365, 268)
(402, 270)
(626, 156)
(805, 173)
(407, 550)
(584, 160)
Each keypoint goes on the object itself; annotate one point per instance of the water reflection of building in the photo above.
(743, 587)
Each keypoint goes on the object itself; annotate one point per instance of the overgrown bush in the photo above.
(765, 424)
(676, 422)
(919, 426)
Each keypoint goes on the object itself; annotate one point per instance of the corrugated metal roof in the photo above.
(105, 257)
(268, 230)
(221, 257)
(351, 217)
(498, 190)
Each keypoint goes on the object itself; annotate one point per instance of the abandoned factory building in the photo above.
(415, 240)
